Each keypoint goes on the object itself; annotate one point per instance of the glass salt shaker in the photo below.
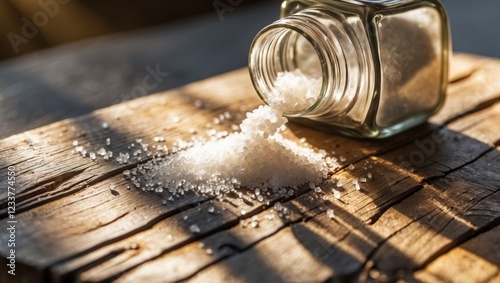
(382, 64)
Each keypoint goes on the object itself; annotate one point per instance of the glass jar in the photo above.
(382, 65)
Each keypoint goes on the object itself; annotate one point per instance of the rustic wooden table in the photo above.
(429, 213)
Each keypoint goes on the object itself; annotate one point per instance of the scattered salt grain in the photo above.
(75, 143)
(104, 125)
(194, 229)
(369, 175)
(278, 206)
(126, 174)
(101, 152)
(356, 184)
(108, 141)
(133, 246)
(329, 213)
(254, 223)
(159, 139)
(336, 194)
(123, 158)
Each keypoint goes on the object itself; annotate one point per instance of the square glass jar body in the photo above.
(409, 49)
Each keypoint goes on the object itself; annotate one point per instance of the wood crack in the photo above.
(458, 242)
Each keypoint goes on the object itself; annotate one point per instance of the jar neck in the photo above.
(322, 45)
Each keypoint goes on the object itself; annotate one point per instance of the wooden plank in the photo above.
(360, 212)
(477, 260)
(390, 248)
(90, 246)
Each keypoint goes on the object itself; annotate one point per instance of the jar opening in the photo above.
(286, 69)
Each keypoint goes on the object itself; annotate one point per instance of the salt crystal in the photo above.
(104, 125)
(159, 139)
(243, 212)
(336, 194)
(92, 156)
(75, 143)
(369, 175)
(254, 224)
(356, 184)
(351, 167)
(211, 209)
(194, 229)
(329, 213)
(270, 216)
(101, 152)
(209, 251)
(133, 246)
(278, 206)
(108, 141)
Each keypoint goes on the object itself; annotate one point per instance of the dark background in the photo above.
(474, 23)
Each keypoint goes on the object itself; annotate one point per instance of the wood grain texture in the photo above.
(433, 188)
(476, 260)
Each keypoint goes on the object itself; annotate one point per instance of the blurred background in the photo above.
(65, 58)
(474, 23)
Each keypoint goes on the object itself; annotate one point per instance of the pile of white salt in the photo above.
(258, 157)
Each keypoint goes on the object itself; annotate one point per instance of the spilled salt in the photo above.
(258, 157)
